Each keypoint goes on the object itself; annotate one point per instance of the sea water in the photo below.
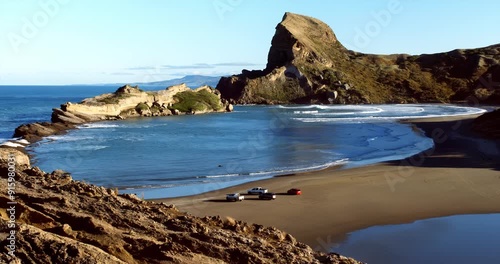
(452, 239)
(184, 155)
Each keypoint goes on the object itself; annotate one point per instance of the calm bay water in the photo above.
(183, 155)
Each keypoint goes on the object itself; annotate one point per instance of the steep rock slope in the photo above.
(307, 64)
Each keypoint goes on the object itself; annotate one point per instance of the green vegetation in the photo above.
(141, 107)
(196, 101)
(113, 99)
(155, 109)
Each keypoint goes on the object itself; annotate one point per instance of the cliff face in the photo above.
(307, 64)
(127, 102)
(59, 220)
(130, 101)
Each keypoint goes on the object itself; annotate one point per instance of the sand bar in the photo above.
(461, 175)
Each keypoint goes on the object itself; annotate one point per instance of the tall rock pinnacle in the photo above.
(307, 64)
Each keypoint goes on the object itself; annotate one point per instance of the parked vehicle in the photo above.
(235, 197)
(257, 190)
(294, 191)
(267, 196)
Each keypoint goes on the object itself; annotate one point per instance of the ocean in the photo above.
(184, 155)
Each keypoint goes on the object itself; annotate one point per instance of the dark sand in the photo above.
(461, 175)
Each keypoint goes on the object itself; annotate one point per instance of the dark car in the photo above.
(267, 196)
(294, 191)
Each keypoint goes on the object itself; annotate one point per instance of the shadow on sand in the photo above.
(456, 146)
(248, 197)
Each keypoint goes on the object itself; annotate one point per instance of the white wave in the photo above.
(369, 109)
(311, 168)
(336, 113)
(376, 118)
(386, 113)
(12, 144)
(148, 125)
(134, 139)
(306, 112)
(97, 147)
(68, 138)
(373, 110)
(412, 110)
(280, 171)
(23, 141)
(301, 106)
(71, 148)
(383, 112)
(221, 176)
(98, 125)
(295, 107)
(149, 186)
(357, 119)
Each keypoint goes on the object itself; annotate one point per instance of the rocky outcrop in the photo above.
(8, 155)
(60, 220)
(307, 64)
(127, 102)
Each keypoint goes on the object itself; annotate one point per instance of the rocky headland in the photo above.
(51, 218)
(307, 64)
(127, 102)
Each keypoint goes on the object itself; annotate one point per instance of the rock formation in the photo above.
(307, 64)
(127, 102)
(60, 220)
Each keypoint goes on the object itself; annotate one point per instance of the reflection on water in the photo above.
(454, 239)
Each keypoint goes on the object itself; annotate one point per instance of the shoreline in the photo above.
(458, 176)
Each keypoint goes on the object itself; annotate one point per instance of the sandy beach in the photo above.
(461, 175)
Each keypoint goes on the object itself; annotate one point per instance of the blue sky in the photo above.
(76, 41)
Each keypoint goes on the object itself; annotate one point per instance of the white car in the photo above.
(257, 190)
(235, 197)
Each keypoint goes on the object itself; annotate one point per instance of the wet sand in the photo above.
(461, 175)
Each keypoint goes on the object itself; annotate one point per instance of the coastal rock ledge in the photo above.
(59, 220)
(127, 101)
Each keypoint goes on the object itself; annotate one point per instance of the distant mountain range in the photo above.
(192, 81)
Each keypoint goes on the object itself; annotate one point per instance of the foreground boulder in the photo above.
(307, 64)
(60, 220)
(127, 102)
(14, 156)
